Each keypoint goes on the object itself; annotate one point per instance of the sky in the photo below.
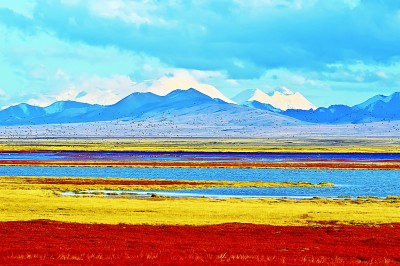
(331, 51)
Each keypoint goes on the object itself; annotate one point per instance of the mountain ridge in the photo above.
(282, 99)
(178, 103)
(375, 109)
(192, 104)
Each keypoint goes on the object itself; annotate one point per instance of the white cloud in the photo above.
(257, 6)
(70, 2)
(41, 100)
(233, 82)
(382, 74)
(182, 79)
(3, 95)
(61, 75)
(98, 90)
(24, 8)
(89, 89)
(352, 3)
(134, 12)
(109, 90)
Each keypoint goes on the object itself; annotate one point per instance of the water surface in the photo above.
(380, 183)
(196, 156)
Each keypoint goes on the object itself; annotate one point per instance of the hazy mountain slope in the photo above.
(251, 95)
(384, 107)
(20, 112)
(58, 112)
(377, 108)
(262, 106)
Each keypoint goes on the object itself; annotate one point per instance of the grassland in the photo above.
(352, 145)
(62, 184)
(21, 201)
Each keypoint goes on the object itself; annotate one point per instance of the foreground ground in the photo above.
(39, 226)
(54, 243)
(97, 230)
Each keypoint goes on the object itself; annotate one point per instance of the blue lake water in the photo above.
(380, 183)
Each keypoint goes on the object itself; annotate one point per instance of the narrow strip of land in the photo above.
(76, 184)
(316, 145)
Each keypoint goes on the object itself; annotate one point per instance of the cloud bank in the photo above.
(323, 48)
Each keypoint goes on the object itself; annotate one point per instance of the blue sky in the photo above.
(332, 51)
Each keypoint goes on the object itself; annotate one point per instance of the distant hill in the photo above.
(377, 108)
(20, 113)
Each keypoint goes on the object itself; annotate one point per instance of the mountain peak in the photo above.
(191, 92)
(282, 99)
(285, 91)
(259, 96)
(180, 81)
(374, 100)
(25, 108)
(251, 95)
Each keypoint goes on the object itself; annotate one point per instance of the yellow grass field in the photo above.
(356, 145)
(25, 202)
(88, 183)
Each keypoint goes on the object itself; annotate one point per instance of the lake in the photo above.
(353, 183)
(197, 156)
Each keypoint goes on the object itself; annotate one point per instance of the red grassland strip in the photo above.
(53, 243)
(395, 164)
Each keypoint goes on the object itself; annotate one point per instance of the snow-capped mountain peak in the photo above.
(285, 101)
(251, 95)
(282, 99)
(284, 90)
(259, 96)
(179, 81)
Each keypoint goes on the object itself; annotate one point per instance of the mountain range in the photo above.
(377, 108)
(207, 106)
(185, 104)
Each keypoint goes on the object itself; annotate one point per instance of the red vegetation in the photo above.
(54, 243)
(230, 164)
